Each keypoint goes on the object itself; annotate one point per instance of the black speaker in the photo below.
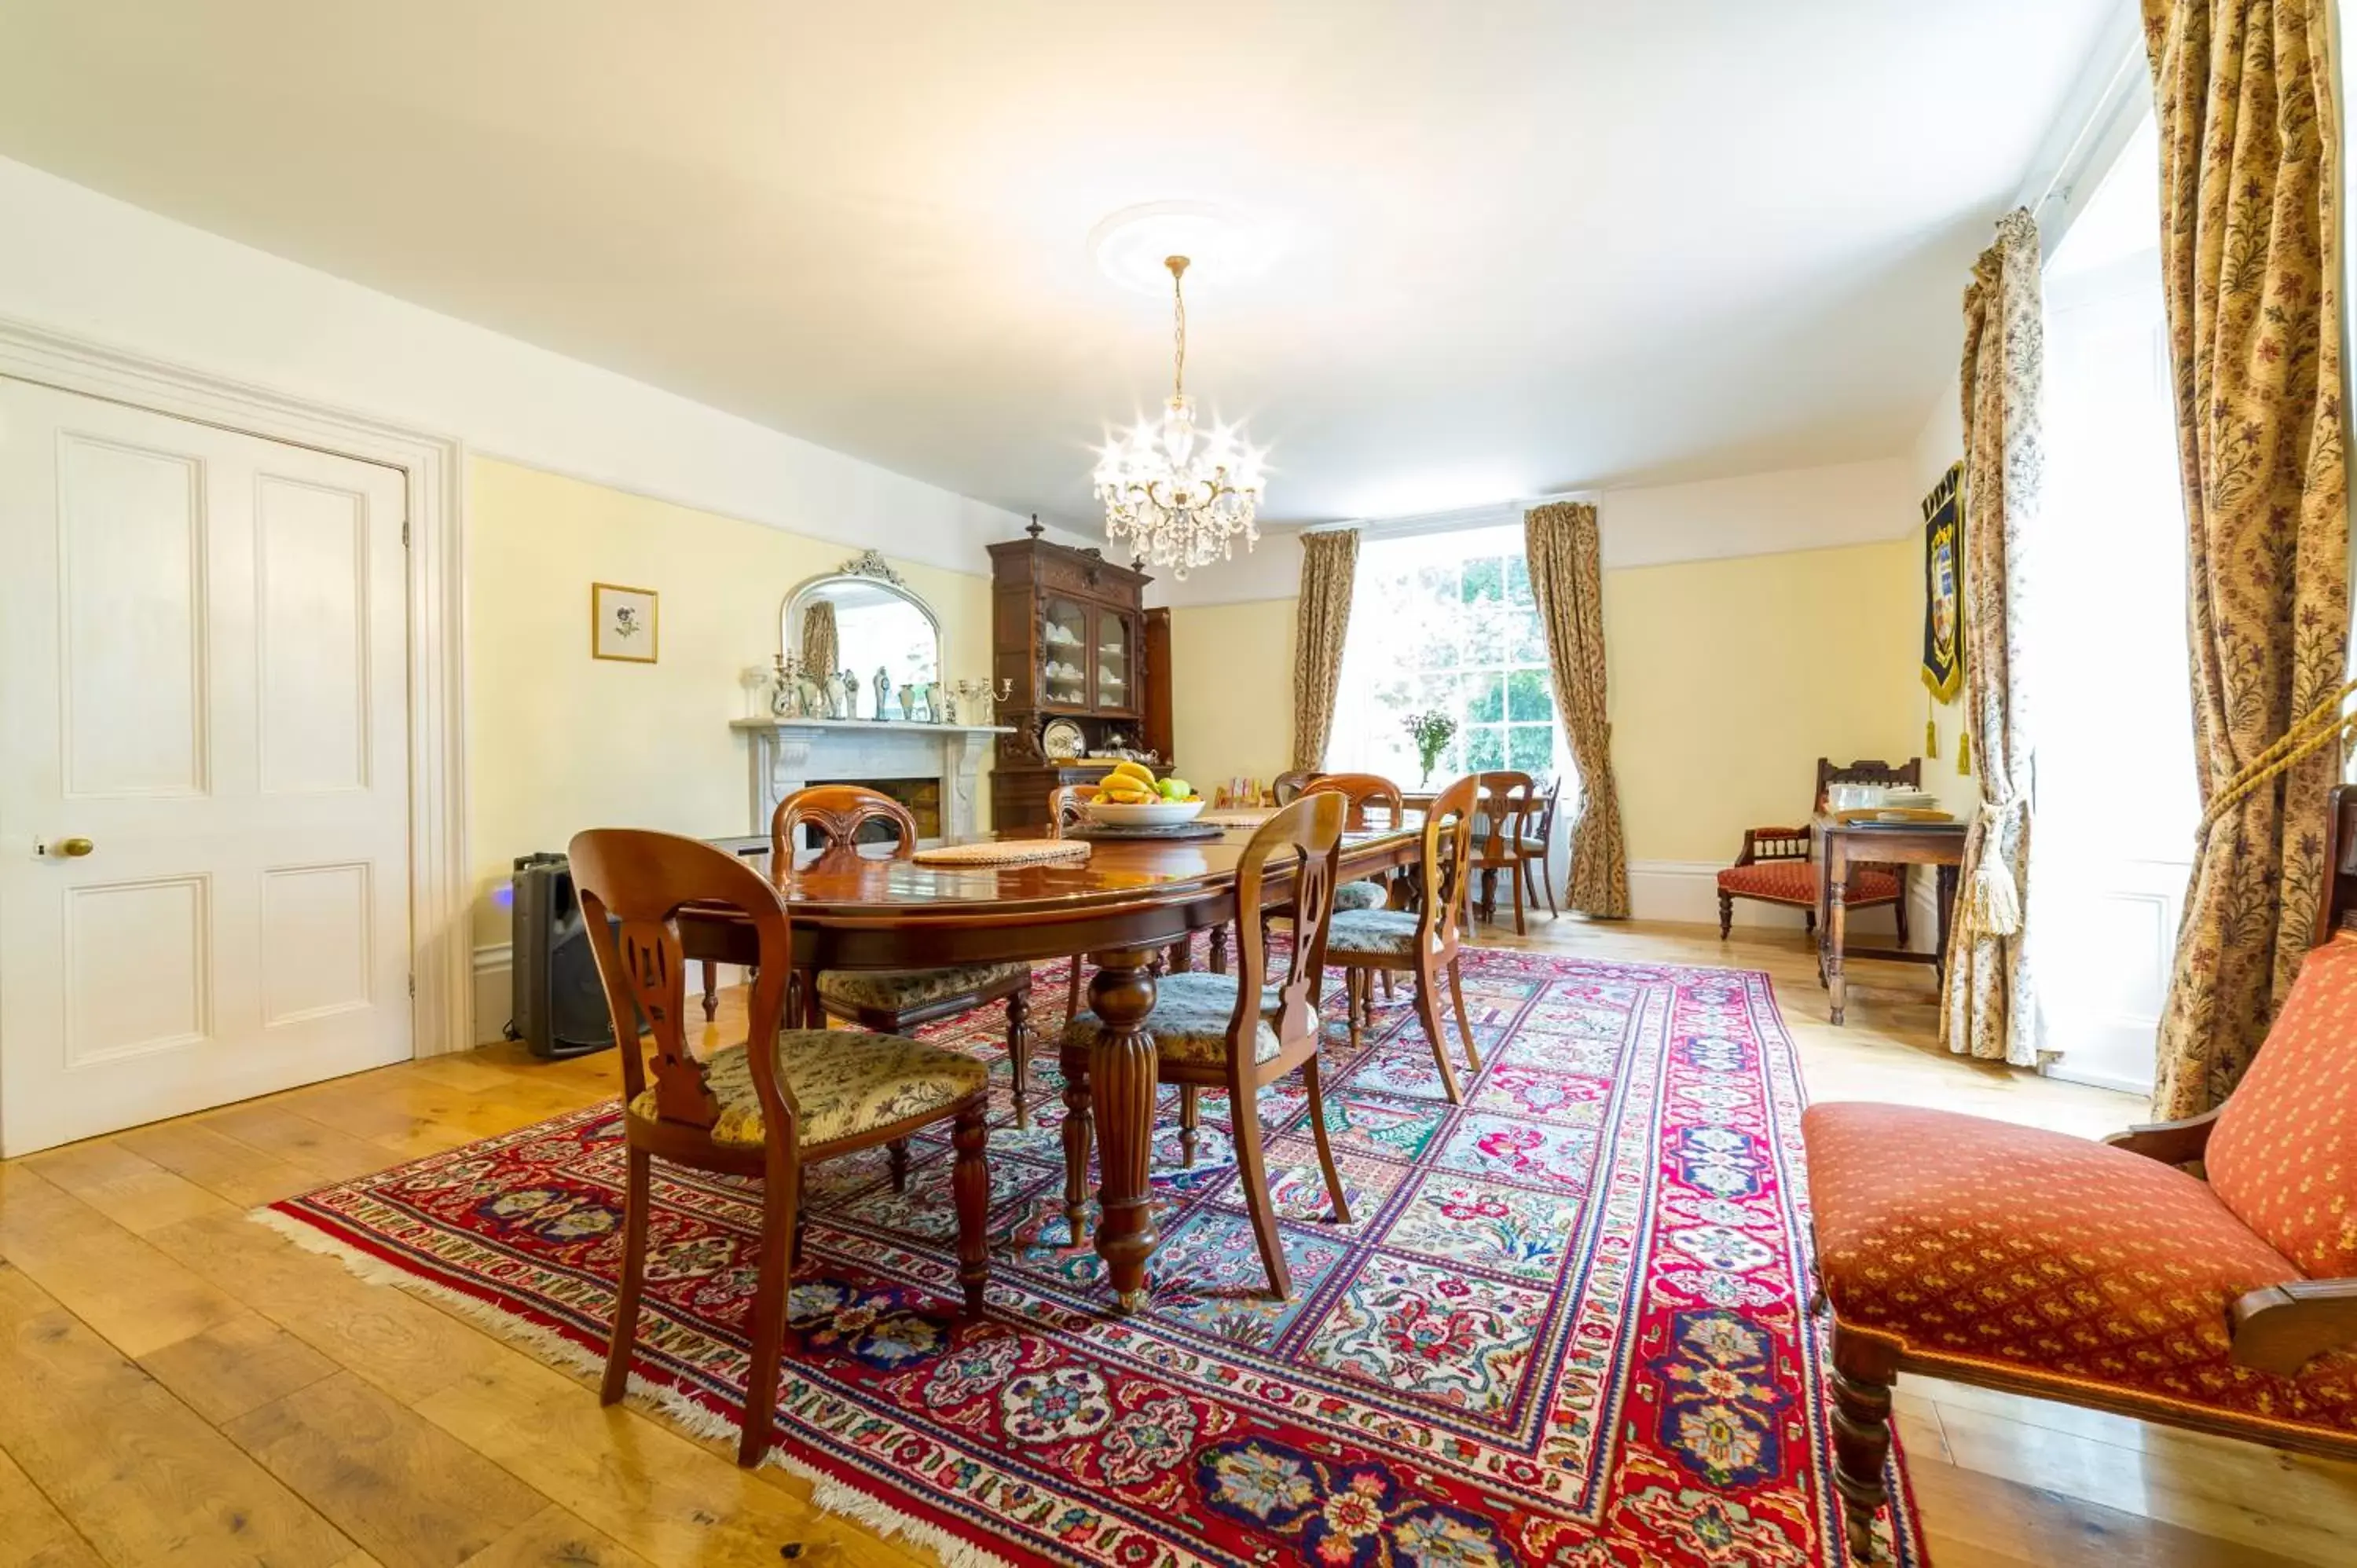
(559, 1005)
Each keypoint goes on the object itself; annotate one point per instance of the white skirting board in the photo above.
(494, 992)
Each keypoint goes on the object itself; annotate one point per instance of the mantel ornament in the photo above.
(870, 564)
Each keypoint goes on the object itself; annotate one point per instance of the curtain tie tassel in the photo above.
(1993, 903)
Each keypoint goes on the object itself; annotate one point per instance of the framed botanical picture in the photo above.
(622, 623)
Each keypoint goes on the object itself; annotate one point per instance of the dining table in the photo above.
(871, 906)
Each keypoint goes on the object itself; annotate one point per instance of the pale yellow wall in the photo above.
(558, 741)
(1728, 679)
(1232, 690)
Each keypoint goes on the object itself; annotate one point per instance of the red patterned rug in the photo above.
(1568, 1328)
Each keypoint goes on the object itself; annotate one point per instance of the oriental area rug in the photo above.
(1568, 1325)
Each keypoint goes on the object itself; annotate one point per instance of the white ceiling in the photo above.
(1533, 245)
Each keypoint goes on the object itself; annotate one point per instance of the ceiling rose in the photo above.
(1132, 245)
(1179, 496)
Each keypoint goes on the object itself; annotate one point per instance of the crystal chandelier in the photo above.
(1178, 495)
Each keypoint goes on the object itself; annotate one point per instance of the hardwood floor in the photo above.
(179, 1385)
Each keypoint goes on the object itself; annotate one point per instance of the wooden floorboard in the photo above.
(181, 1386)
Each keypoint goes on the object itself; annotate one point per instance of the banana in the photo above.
(1127, 769)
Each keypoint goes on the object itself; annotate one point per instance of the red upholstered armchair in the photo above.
(1775, 868)
(2102, 1275)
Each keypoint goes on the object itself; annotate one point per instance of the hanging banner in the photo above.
(1943, 600)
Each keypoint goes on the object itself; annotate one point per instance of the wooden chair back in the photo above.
(1506, 798)
(1866, 770)
(1359, 792)
(1547, 803)
(835, 813)
(1067, 806)
(632, 883)
(1287, 786)
(1311, 829)
(1448, 856)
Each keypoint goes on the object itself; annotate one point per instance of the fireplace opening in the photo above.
(922, 796)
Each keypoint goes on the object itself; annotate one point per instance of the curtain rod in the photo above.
(1494, 514)
(2101, 113)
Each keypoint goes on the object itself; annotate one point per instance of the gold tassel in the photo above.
(1991, 906)
(1930, 728)
(1964, 751)
(1995, 900)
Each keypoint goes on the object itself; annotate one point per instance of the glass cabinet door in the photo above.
(1116, 653)
(1064, 653)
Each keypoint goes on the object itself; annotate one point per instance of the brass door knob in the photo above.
(74, 848)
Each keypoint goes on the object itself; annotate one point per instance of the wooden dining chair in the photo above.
(1360, 791)
(1067, 809)
(1778, 865)
(765, 1106)
(1287, 786)
(1536, 848)
(895, 1000)
(1424, 941)
(1507, 801)
(1240, 1032)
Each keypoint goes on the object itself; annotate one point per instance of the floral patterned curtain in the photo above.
(1567, 584)
(1330, 565)
(1985, 1004)
(820, 651)
(2250, 228)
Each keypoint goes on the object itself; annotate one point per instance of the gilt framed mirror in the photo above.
(862, 617)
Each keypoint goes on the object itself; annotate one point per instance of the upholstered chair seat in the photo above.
(2060, 1259)
(847, 1084)
(1361, 896)
(1189, 1021)
(901, 989)
(1383, 933)
(1796, 881)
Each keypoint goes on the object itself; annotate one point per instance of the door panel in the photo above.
(315, 928)
(203, 675)
(131, 530)
(135, 977)
(312, 585)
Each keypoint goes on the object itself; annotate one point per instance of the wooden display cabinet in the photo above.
(1069, 632)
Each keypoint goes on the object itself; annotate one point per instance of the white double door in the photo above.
(204, 849)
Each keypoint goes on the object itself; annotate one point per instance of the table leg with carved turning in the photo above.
(1836, 928)
(1121, 1096)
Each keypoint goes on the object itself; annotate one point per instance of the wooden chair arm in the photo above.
(2170, 1143)
(1773, 843)
(2281, 1328)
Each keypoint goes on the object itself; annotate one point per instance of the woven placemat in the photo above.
(1003, 851)
(1240, 816)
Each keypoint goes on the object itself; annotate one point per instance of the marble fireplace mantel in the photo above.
(788, 754)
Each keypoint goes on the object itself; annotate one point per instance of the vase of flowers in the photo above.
(1431, 730)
